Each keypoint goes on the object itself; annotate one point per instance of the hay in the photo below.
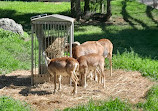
(56, 48)
(129, 86)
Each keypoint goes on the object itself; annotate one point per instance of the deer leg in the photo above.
(74, 73)
(91, 75)
(75, 83)
(85, 79)
(104, 80)
(99, 75)
(55, 87)
(59, 78)
(110, 63)
(95, 75)
(103, 75)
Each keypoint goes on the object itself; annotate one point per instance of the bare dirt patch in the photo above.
(125, 85)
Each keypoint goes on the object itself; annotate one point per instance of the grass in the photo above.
(133, 33)
(15, 52)
(22, 11)
(151, 103)
(10, 104)
(134, 37)
(132, 61)
(111, 105)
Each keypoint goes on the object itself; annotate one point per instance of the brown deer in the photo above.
(108, 48)
(64, 66)
(91, 62)
(102, 47)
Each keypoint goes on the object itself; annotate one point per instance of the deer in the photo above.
(91, 62)
(102, 47)
(64, 66)
(108, 49)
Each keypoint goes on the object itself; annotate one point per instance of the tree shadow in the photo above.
(126, 16)
(24, 19)
(102, 25)
(143, 42)
(27, 91)
(20, 81)
(149, 14)
(7, 81)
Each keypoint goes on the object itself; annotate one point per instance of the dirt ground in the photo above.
(129, 86)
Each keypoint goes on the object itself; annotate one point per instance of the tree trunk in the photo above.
(75, 9)
(109, 14)
(101, 6)
(86, 6)
(78, 10)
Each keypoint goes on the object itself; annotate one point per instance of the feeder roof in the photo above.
(52, 18)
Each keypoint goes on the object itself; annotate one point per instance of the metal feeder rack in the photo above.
(50, 33)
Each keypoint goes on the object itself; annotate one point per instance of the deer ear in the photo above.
(48, 60)
(76, 43)
(105, 53)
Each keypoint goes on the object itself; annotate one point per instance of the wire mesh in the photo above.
(51, 38)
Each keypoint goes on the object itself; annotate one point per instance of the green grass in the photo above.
(111, 105)
(137, 29)
(133, 34)
(132, 61)
(22, 11)
(15, 52)
(151, 103)
(10, 104)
